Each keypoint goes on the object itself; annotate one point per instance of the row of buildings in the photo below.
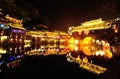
(16, 41)
(13, 32)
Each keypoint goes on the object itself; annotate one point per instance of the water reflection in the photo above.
(47, 49)
(11, 55)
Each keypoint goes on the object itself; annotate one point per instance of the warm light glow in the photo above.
(3, 38)
(91, 25)
(76, 42)
(2, 51)
(78, 58)
(11, 39)
(27, 45)
(10, 49)
(85, 59)
(92, 22)
(116, 30)
(86, 32)
(102, 53)
(108, 53)
(76, 48)
(0, 56)
(85, 44)
(13, 19)
(72, 40)
(71, 44)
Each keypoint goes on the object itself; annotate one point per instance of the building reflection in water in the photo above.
(16, 42)
(46, 49)
(11, 55)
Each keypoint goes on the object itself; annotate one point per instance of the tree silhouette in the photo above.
(109, 9)
(23, 9)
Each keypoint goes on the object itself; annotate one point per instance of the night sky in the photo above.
(64, 13)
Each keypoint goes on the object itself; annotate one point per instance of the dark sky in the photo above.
(64, 13)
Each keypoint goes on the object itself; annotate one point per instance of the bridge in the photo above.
(86, 65)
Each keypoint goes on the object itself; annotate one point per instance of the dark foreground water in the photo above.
(57, 67)
(47, 67)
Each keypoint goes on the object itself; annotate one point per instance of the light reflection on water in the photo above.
(46, 49)
(15, 51)
(11, 53)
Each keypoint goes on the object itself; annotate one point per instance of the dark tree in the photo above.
(25, 10)
(109, 9)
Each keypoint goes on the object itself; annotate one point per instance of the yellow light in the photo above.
(102, 53)
(16, 39)
(92, 22)
(85, 44)
(0, 56)
(2, 51)
(96, 53)
(3, 38)
(108, 53)
(11, 39)
(13, 19)
(27, 45)
(72, 41)
(10, 48)
(76, 48)
(76, 42)
(116, 30)
(71, 44)
(78, 57)
(20, 40)
(86, 32)
(85, 59)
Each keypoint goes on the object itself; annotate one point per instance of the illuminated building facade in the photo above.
(94, 40)
(97, 35)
